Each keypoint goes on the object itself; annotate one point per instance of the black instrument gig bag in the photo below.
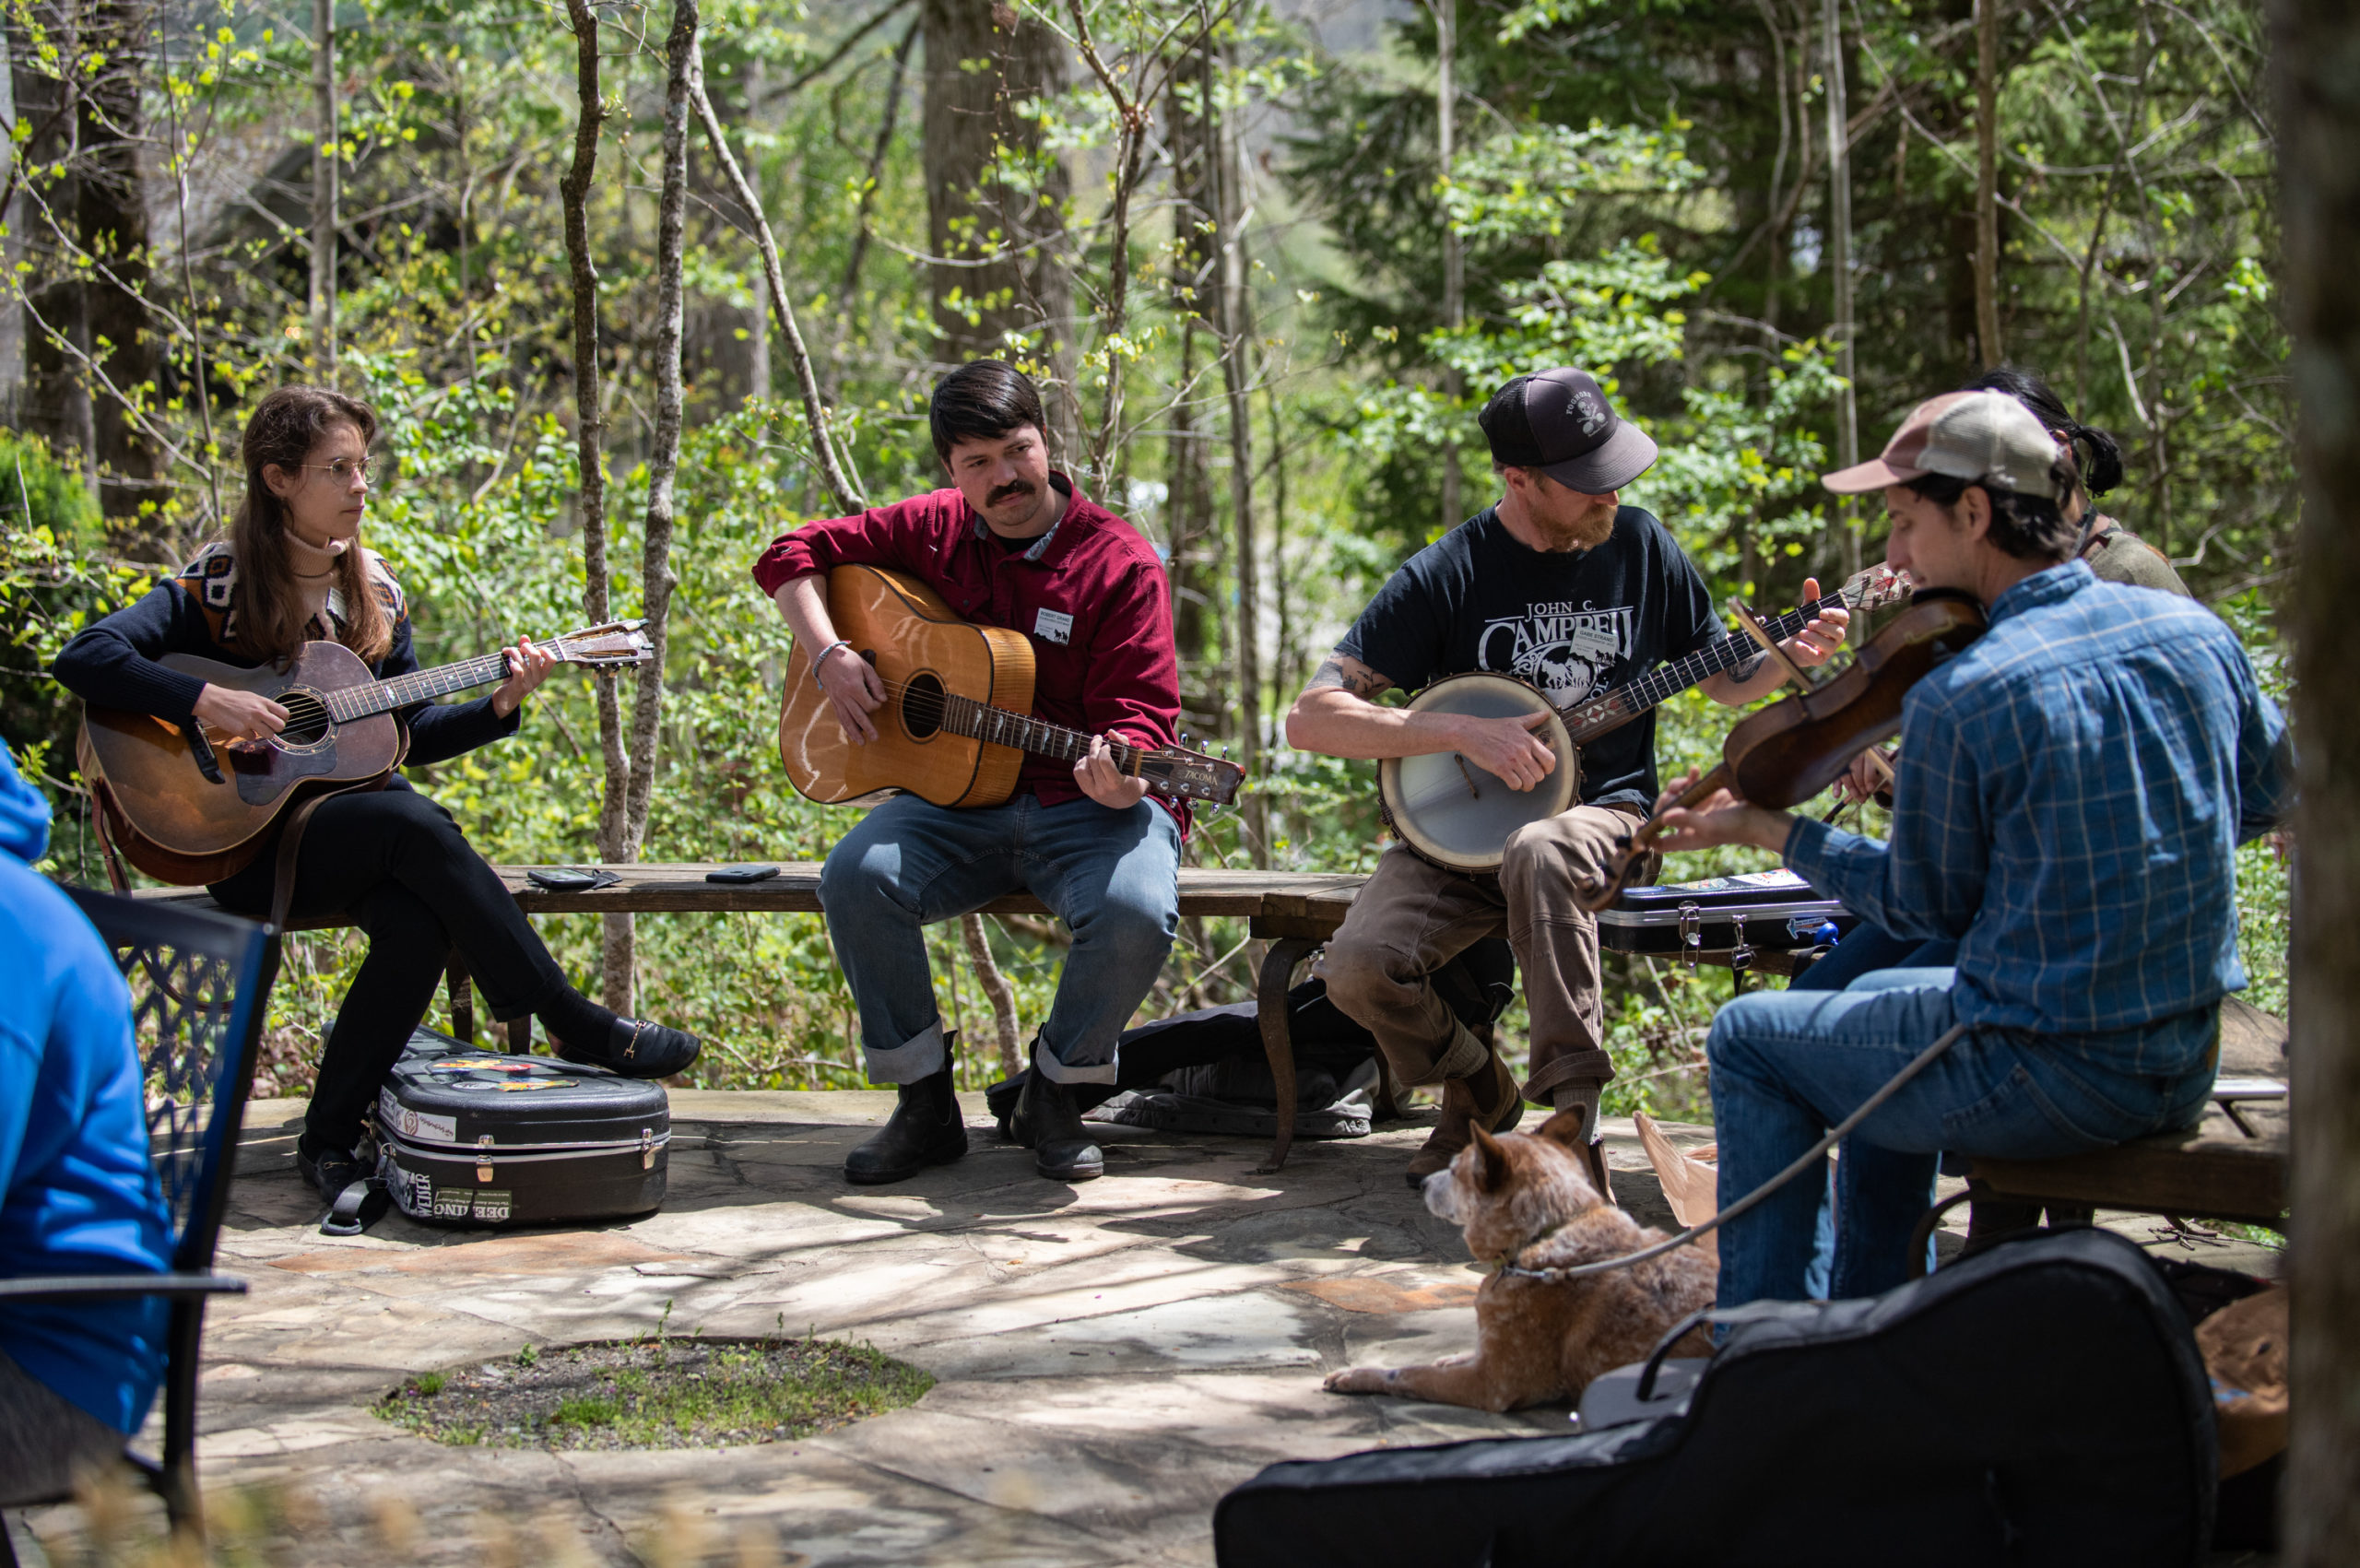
(480, 1137)
(2042, 1403)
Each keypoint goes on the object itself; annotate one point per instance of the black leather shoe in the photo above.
(925, 1129)
(636, 1048)
(1046, 1123)
(329, 1171)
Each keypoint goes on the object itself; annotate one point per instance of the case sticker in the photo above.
(454, 1205)
(398, 1118)
(492, 1205)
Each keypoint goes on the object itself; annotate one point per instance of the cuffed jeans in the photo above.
(1789, 1064)
(1112, 877)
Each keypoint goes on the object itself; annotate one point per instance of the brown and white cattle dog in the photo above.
(1528, 1201)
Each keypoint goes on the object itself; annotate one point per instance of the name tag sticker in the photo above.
(1053, 626)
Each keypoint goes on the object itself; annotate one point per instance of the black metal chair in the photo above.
(200, 989)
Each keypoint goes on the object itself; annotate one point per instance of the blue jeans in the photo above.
(1789, 1064)
(1867, 950)
(1112, 877)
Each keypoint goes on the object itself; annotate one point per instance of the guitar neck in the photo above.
(419, 686)
(976, 720)
(1617, 708)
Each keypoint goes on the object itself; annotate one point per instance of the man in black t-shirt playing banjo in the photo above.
(1561, 585)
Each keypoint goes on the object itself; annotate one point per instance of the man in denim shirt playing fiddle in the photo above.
(2078, 782)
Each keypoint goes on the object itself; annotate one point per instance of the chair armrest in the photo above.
(89, 1287)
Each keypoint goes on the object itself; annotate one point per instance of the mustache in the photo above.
(1008, 492)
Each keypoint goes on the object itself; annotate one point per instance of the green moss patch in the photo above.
(656, 1393)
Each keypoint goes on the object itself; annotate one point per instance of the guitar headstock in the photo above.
(1872, 590)
(615, 645)
(1174, 771)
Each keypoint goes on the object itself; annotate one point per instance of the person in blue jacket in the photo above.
(77, 1194)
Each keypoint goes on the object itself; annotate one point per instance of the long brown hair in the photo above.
(285, 429)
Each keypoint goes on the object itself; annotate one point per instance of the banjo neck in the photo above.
(1585, 722)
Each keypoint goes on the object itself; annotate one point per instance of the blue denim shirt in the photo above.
(2072, 791)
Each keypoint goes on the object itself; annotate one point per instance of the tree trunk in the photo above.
(655, 577)
(1987, 182)
(55, 401)
(1190, 531)
(589, 457)
(997, 989)
(1839, 262)
(1237, 380)
(325, 166)
(2318, 121)
(974, 216)
(112, 217)
(1454, 257)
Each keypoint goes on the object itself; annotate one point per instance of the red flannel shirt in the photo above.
(1090, 594)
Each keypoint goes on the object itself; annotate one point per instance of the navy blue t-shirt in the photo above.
(1574, 624)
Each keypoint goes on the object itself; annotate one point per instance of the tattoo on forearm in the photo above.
(1745, 669)
(1349, 675)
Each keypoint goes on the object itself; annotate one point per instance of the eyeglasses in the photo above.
(343, 468)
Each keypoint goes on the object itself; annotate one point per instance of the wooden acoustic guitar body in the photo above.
(923, 651)
(179, 826)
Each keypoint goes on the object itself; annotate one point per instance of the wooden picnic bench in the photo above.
(1294, 912)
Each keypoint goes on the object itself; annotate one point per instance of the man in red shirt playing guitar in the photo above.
(1013, 544)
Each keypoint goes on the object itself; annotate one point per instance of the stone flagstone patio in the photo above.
(1112, 1358)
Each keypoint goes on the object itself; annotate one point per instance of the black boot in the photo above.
(1047, 1124)
(925, 1129)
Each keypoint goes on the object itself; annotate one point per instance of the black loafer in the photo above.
(636, 1048)
(1046, 1123)
(330, 1171)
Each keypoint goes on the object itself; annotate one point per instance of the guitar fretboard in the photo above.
(1619, 707)
(420, 685)
(977, 721)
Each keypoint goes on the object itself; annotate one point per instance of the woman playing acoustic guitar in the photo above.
(294, 570)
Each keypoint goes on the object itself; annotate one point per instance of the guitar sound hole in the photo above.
(307, 718)
(922, 699)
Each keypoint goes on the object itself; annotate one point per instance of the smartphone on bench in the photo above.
(742, 873)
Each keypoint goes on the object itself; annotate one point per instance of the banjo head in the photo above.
(1458, 815)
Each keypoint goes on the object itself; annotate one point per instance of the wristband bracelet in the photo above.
(839, 642)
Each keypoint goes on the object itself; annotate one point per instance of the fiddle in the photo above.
(1791, 750)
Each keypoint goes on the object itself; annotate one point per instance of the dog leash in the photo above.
(1842, 1130)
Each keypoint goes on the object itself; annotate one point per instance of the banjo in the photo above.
(1458, 815)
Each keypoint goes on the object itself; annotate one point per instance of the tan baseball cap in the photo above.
(1983, 436)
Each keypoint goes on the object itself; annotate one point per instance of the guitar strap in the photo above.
(291, 842)
(102, 803)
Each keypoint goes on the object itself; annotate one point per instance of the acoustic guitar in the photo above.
(957, 722)
(1458, 816)
(188, 807)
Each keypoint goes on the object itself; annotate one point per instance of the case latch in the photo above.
(1692, 934)
(483, 1158)
(646, 1149)
(1741, 956)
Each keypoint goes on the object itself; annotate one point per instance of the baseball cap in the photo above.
(1564, 425)
(1983, 436)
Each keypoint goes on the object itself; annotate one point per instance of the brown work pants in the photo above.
(1413, 917)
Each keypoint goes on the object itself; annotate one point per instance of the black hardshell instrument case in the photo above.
(1773, 911)
(466, 1136)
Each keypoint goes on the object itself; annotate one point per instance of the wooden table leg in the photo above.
(463, 1001)
(1278, 1040)
(520, 1036)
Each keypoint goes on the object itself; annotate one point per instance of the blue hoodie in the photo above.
(77, 1194)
